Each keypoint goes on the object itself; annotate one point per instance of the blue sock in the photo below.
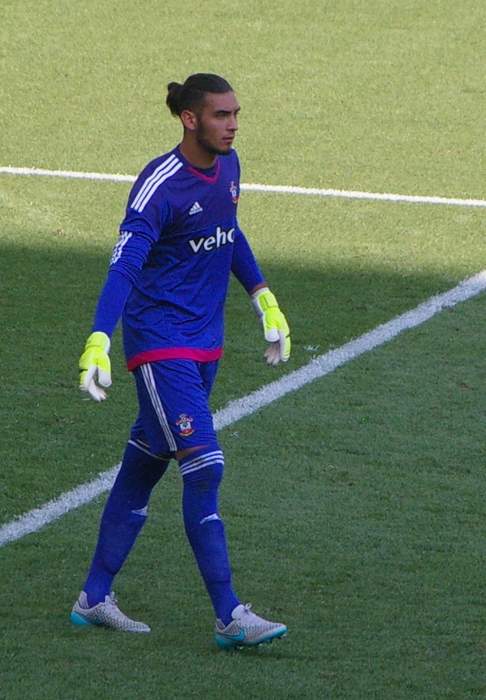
(202, 473)
(124, 516)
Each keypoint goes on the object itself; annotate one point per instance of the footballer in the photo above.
(167, 281)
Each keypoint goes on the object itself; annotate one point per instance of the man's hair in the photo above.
(191, 94)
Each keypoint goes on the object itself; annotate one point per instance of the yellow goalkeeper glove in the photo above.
(95, 366)
(275, 326)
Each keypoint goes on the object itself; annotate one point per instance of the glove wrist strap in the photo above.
(99, 339)
(262, 300)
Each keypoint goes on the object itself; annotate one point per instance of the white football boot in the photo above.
(246, 629)
(107, 614)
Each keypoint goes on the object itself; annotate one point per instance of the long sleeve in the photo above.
(129, 256)
(244, 265)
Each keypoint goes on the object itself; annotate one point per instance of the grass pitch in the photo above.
(354, 507)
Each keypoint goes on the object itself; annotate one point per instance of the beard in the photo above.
(204, 142)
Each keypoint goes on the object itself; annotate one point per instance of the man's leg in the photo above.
(178, 393)
(202, 471)
(236, 625)
(124, 516)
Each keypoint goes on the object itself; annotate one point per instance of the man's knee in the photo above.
(182, 454)
(203, 466)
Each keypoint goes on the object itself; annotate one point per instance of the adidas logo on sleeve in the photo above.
(195, 209)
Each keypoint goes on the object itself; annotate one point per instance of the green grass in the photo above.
(381, 95)
(354, 507)
(367, 539)
(353, 266)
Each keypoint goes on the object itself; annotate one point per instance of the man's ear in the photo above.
(189, 119)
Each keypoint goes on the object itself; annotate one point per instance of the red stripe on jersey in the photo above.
(197, 354)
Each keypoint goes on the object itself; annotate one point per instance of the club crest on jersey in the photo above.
(234, 192)
(185, 425)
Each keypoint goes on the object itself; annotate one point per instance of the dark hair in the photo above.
(191, 94)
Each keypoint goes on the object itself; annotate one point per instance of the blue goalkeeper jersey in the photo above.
(185, 221)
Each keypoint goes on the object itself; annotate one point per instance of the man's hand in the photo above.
(95, 366)
(275, 326)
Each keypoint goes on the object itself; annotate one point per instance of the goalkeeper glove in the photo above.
(275, 326)
(95, 366)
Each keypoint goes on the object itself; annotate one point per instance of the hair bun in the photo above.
(171, 87)
(192, 93)
(173, 95)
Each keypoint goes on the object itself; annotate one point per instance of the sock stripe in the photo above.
(216, 454)
(195, 460)
(203, 465)
(209, 518)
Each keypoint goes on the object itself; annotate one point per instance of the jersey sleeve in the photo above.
(147, 216)
(244, 265)
(111, 302)
(128, 258)
(144, 222)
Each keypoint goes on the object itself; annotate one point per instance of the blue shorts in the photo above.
(174, 411)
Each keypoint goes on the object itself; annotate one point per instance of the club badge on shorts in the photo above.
(185, 425)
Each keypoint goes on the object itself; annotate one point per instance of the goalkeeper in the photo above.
(168, 280)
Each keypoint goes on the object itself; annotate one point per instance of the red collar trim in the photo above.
(209, 179)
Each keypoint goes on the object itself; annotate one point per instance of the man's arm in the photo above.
(275, 327)
(139, 230)
(129, 256)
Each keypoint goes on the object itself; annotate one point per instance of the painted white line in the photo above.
(374, 196)
(53, 510)
(235, 410)
(273, 189)
(327, 363)
(73, 174)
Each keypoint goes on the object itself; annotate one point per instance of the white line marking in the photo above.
(66, 173)
(235, 410)
(374, 196)
(274, 189)
(53, 510)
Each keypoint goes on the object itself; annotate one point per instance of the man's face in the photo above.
(217, 123)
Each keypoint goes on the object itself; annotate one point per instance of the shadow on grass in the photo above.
(369, 554)
(47, 302)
